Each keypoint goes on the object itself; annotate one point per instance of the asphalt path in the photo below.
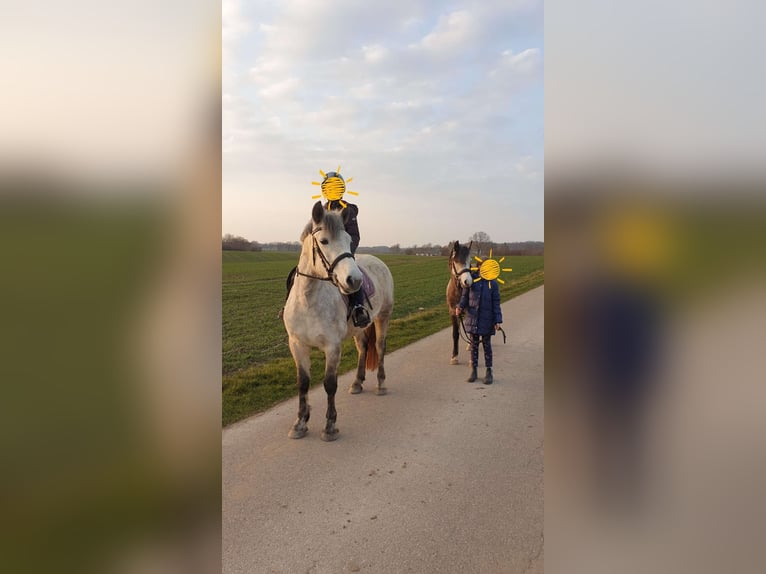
(437, 476)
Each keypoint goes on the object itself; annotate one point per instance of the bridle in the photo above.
(328, 266)
(456, 274)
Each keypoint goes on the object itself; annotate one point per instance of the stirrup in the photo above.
(360, 316)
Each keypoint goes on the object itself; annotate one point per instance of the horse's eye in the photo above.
(324, 241)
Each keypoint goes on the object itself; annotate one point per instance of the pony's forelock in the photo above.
(332, 223)
(462, 252)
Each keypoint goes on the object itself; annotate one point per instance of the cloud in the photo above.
(233, 24)
(267, 69)
(281, 89)
(527, 167)
(513, 72)
(412, 98)
(526, 62)
(374, 53)
(453, 31)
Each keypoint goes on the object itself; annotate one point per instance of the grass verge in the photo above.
(257, 387)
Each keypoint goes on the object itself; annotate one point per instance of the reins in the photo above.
(464, 333)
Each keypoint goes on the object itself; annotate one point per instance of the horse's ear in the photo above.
(317, 214)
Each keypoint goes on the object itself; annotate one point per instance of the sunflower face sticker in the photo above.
(489, 269)
(333, 187)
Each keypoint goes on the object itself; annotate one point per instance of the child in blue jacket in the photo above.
(481, 301)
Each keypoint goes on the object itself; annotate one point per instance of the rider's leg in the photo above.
(359, 313)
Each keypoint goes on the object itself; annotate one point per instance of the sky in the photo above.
(435, 109)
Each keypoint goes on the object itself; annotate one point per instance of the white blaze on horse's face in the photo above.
(346, 273)
(465, 278)
(460, 265)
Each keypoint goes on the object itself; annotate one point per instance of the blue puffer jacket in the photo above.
(482, 306)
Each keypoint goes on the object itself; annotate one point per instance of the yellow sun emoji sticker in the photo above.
(489, 269)
(333, 186)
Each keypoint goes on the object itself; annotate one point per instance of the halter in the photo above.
(329, 267)
(456, 274)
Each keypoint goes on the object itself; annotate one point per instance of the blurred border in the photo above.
(655, 287)
(110, 203)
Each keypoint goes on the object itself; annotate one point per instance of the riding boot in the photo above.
(488, 380)
(472, 377)
(359, 314)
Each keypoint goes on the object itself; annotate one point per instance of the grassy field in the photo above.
(258, 370)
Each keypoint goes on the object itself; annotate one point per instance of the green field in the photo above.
(258, 370)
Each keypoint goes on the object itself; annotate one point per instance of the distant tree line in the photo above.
(429, 249)
(518, 248)
(236, 243)
(481, 246)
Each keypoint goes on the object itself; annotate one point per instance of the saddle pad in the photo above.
(367, 285)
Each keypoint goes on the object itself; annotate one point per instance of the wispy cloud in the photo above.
(418, 103)
(454, 31)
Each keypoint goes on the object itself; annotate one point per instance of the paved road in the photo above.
(438, 476)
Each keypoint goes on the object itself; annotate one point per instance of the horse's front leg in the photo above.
(332, 359)
(455, 337)
(302, 357)
(361, 349)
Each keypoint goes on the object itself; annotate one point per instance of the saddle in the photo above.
(368, 287)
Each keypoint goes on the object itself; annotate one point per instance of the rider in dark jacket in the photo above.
(352, 226)
(333, 187)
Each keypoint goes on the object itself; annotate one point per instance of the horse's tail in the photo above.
(371, 362)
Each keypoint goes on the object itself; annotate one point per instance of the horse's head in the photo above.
(330, 244)
(459, 264)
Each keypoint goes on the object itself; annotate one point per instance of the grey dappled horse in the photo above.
(460, 272)
(316, 312)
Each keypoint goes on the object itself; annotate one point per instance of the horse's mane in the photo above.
(332, 223)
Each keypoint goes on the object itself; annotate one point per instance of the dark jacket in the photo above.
(482, 306)
(352, 226)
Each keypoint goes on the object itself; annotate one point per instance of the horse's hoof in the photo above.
(298, 430)
(329, 435)
(355, 388)
(453, 361)
(380, 391)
